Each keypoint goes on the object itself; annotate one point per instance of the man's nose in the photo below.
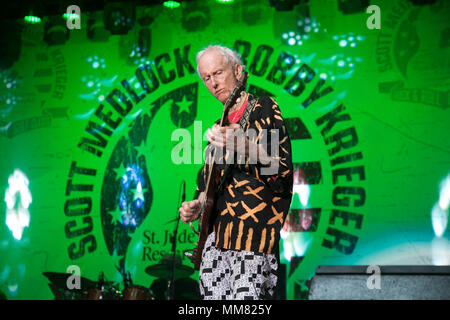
(214, 82)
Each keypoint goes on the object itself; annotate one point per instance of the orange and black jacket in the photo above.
(252, 205)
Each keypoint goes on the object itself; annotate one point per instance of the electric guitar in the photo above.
(208, 204)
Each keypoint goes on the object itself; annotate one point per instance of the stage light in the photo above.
(444, 193)
(70, 16)
(95, 29)
(251, 13)
(131, 199)
(343, 43)
(352, 6)
(224, 1)
(55, 31)
(32, 19)
(439, 220)
(196, 17)
(171, 4)
(119, 18)
(284, 5)
(18, 199)
(439, 213)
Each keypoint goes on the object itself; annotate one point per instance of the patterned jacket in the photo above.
(250, 210)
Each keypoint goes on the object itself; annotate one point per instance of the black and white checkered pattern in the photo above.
(236, 275)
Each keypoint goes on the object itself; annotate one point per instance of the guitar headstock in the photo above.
(239, 86)
(242, 81)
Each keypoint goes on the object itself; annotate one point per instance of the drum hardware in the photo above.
(60, 280)
(135, 292)
(97, 292)
(169, 268)
(171, 278)
(89, 290)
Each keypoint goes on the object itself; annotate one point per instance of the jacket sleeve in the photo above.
(278, 173)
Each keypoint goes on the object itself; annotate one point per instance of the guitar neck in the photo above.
(223, 121)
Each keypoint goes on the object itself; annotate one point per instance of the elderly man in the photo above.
(240, 257)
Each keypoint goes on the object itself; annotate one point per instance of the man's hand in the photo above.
(190, 210)
(233, 138)
(229, 137)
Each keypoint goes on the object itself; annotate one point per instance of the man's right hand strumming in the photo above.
(190, 210)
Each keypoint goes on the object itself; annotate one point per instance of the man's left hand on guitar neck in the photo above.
(233, 138)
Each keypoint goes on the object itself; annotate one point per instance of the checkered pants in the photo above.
(236, 275)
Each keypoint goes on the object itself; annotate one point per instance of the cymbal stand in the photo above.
(171, 280)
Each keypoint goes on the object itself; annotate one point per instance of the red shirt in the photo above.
(236, 115)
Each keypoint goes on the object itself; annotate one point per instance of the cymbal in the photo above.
(163, 270)
(169, 259)
(59, 279)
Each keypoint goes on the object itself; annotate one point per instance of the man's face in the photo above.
(217, 75)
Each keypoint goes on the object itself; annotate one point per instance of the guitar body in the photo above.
(208, 205)
(204, 223)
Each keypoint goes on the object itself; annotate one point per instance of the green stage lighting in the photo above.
(32, 19)
(71, 16)
(171, 4)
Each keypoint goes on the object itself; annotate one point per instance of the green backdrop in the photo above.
(92, 125)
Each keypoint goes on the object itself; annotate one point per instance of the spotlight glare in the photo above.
(171, 4)
(444, 194)
(343, 43)
(70, 16)
(439, 220)
(32, 19)
(18, 199)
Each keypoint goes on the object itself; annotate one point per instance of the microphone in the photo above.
(183, 197)
(129, 279)
(101, 280)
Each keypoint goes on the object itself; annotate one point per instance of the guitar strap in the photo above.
(243, 124)
(251, 103)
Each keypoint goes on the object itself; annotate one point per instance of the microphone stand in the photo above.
(170, 284)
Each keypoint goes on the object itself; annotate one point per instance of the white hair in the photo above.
(231, 57)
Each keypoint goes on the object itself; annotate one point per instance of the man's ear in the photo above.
(238, 71)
